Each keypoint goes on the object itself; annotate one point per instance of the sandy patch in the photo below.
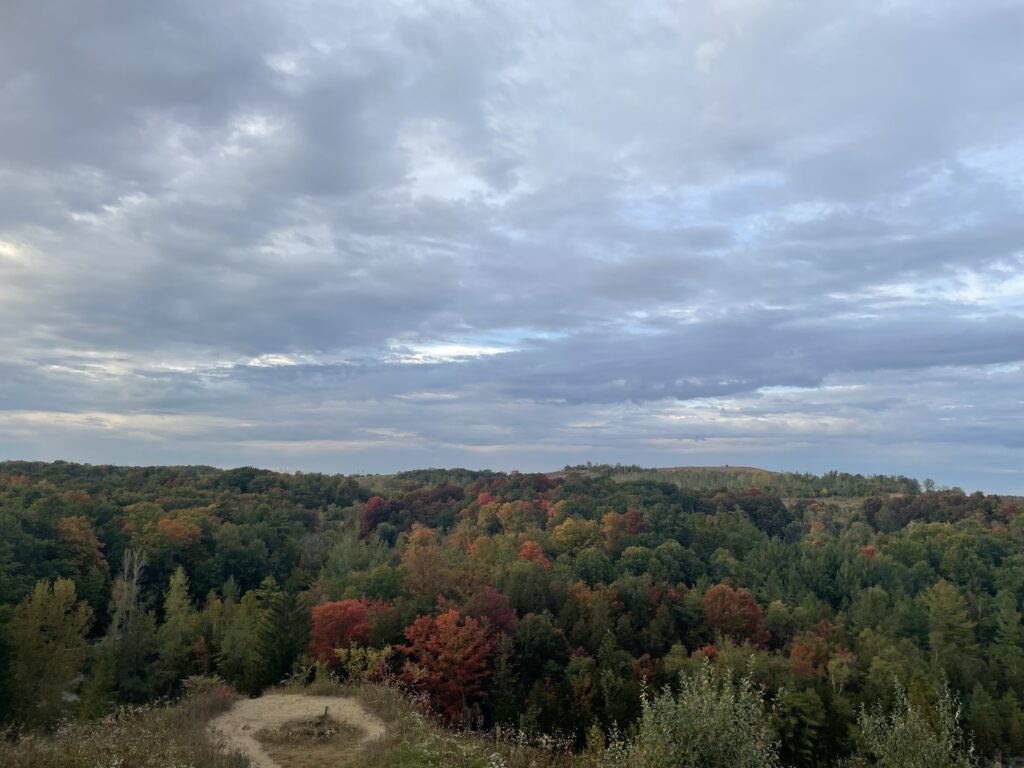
(239, 725)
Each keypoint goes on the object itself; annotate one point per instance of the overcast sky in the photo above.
(372, 236)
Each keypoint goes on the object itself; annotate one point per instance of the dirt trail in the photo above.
(239, 725)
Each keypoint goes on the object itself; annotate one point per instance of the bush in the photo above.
(713, 722)
(911, 737)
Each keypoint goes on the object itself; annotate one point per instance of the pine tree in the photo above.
(985, 719)
(504, 684)
(237, 659)
(950, 632)
(1007, 653)
(177, 635)
(282, 633)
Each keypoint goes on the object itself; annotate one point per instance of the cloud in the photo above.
(776, 233)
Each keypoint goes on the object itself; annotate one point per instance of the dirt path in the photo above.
(238, 726)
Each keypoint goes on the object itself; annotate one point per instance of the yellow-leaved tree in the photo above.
(47, 638)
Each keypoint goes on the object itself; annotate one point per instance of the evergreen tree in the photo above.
(985, 720)
(504, 684)
(1007, 653)
(282, 633)
(5, 664)
(951, 636)
(237, 659)
(177, 635)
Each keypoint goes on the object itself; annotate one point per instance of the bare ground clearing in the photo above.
(239, 725)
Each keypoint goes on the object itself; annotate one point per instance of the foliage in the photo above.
(147, 737)
(908, 736)
(570, 594)
(735, 614)
(449, 657)
(47, 636)
(340, 624)
(282, 633)
(713, 722)
(781, 483)
(358, 664)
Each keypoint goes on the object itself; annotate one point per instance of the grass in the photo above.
(319, 742)
(317, 730)
(413, 740)
(155, 736)
(175, 736)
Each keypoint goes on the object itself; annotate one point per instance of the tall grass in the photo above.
(414, 739)
(152, 736)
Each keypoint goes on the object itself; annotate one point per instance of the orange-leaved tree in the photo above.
(530, 550)
(449, 658)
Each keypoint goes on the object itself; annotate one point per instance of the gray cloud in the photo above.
(356, 237)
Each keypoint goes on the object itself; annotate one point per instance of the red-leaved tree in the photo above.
(373, 513)
(449, 658)
(735, 614)
(341, 623)
(490, 605)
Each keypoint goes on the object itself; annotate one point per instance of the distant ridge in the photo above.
(729, 478)
(710, 478)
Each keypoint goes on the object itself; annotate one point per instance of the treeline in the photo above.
(787, 484)
(548, 602)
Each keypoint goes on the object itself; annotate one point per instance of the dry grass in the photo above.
(137, 737)
(414, 739)
(177, 737)
(320, 742)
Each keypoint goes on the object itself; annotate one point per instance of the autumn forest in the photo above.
(553, 603)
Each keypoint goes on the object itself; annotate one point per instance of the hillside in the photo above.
(533, 604)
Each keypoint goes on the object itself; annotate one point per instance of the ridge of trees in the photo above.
(551, 603)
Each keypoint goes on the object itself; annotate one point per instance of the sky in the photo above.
(366, 237)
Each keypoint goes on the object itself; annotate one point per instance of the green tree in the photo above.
(124, 658)
(985, 719)
(177, 635)
(1007, 653)
(47, 635)
(951, 636)
(799, 717)
(237, 658)
(282, 633)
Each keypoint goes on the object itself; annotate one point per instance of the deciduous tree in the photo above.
(449, 657)
(47, 635)
(735, 614)
(340, 623)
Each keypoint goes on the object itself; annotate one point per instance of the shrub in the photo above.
(911, 737)
(713, 722)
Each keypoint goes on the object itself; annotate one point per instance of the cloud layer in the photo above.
(363, 237)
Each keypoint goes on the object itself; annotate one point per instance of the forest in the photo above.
(554, 603)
